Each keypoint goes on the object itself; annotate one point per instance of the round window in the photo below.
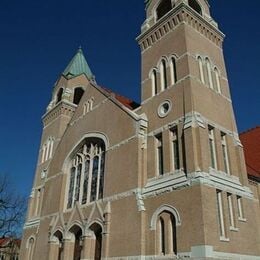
(164, 108)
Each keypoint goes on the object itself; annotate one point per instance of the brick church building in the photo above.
(160, 180)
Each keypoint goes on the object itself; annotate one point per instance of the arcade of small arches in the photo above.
(90, 242)
(159, 75)
(209, 74)
(165, 6)
(77, 242)
(47, 149)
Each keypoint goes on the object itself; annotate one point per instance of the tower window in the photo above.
(240, 208)
(217, 80)
(163, 8)
(163, 75)
(225, 153)
(47, 149)
(230, 209)
(195, 6)
(86, 178)
(154, 82)
(210, 81)
(212, 148)
(221, 215)
(202, 78)
(175, 150)
(159, 154)
(59, 95)
(173, 71)
(78, 93)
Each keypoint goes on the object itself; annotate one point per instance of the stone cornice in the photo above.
(64, 107)
(180, 14)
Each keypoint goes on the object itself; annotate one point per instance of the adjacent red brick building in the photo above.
(251, 142)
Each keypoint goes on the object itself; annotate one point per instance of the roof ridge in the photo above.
(250, 130)
(128, 102)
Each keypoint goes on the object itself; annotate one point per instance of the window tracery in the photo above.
(86, 178)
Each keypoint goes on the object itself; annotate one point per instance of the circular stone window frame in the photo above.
(161, 109)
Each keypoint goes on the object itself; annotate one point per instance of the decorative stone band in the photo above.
(177, 180)
(32, 223)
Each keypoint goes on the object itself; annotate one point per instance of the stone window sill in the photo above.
(233, 229)
(224, 239)
(242, 219)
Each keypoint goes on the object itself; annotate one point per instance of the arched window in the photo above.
(202, 78)
(163, 8)
(217, 80)
(97, 231)
(78, 93)
(86, 178)
(195, 5)
(154, 82)
(210, 81)
(173, 71)
(30, 248)
(166, 234)
(59, 95)
(88, 106)
(163, 72)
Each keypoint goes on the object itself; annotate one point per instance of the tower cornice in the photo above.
(64, 107)
(180, 14)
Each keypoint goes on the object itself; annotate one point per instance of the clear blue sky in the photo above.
(38, 39)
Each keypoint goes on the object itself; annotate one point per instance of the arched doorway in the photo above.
(58, 235)
(97, 230)
(166, 234)
(77, 232)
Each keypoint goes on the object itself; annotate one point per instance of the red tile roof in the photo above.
(251, 142)
(123, 100)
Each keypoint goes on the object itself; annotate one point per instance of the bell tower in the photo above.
(192, 130)
(66, 96)
(183, 62)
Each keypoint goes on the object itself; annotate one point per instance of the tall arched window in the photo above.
(209, 73)
(59, 95)
(86, 178)
(201, 69)
(154, 82)
(163, 8)
(217, 80)
(173, 71)
(195, 6)
(163, 72)
(166, 234)
(78, 93)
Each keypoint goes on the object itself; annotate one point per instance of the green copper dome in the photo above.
(77, 66)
